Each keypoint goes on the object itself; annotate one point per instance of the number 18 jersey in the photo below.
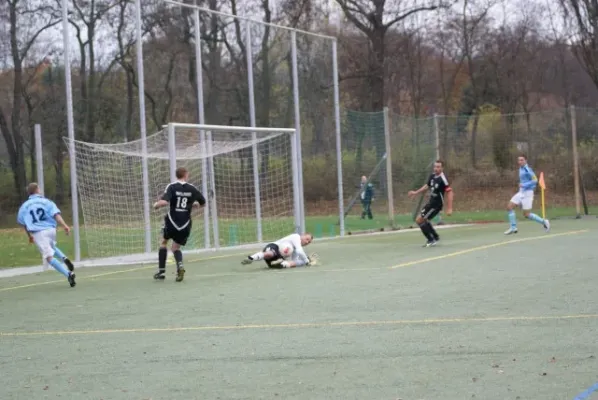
(181, 196)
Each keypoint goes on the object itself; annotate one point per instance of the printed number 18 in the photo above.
(181, 202)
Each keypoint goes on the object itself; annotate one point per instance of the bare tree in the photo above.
(124, 58)
(374, 19)
(86, 19)
(27, 20)
(581, 18)
(473, 23)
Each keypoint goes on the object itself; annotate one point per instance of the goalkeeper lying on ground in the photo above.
(285, 253)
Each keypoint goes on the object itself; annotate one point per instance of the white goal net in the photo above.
(247, 175)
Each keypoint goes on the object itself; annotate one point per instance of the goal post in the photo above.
(253, 186)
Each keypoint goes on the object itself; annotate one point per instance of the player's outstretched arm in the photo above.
(21, 221)
(159, 204)
(412, 193)
(61, 222)
(301, 256)
(164, 200)
(28, 234)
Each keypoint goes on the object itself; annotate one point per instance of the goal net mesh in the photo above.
(110, 185)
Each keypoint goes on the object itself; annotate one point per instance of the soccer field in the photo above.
(479, 316)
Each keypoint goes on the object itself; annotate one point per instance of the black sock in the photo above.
(425, 228)
(432, 230)
(162, 253)
(178, 257)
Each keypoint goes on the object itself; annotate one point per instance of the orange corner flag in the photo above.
(541, 181)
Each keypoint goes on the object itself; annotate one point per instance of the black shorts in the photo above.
(169, 232)
(273, 247)
(430, 210)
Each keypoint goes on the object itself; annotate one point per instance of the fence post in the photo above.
(339, 149)
(202, 121)
(297, 113)
(437, 152)
(39, 157)
(39, 160)
(256, 166)
(143, 129)
(575, 162)
(70, 122)
(172, 152)
(389, 188)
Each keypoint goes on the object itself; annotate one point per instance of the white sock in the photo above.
(257, 256)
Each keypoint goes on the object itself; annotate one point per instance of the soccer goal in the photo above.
(248, 176)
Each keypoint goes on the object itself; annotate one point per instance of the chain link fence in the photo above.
(480, 155)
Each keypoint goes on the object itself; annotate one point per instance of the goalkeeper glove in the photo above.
(313, 259)
(285, 264)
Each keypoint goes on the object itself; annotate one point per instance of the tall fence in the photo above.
(480, 155)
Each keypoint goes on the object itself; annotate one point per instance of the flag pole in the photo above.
(542, 188)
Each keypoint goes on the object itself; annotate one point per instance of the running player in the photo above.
(440, 193)
(39, 216)
(524, 198)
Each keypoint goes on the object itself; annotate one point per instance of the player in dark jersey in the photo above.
(440, 194)
(181, 197)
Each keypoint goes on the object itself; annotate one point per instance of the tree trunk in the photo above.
(17, 153)
(377, 70)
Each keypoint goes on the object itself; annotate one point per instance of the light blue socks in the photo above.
(532, 216)
(536, 218)
(513, 219)
(58, 253)
(58, 266)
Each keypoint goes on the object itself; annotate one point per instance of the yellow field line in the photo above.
(303, 325)
(484, 247)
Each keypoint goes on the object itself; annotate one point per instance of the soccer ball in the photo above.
(286, 250)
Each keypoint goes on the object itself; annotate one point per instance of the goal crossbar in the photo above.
(220, 128)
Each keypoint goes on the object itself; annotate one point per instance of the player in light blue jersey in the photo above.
(39, 216)
(524, 198)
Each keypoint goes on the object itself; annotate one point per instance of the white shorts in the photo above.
(45, 241)
(525, 199)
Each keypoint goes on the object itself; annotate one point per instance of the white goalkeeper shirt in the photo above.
(298, 255)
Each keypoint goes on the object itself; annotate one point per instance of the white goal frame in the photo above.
(208, 189)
